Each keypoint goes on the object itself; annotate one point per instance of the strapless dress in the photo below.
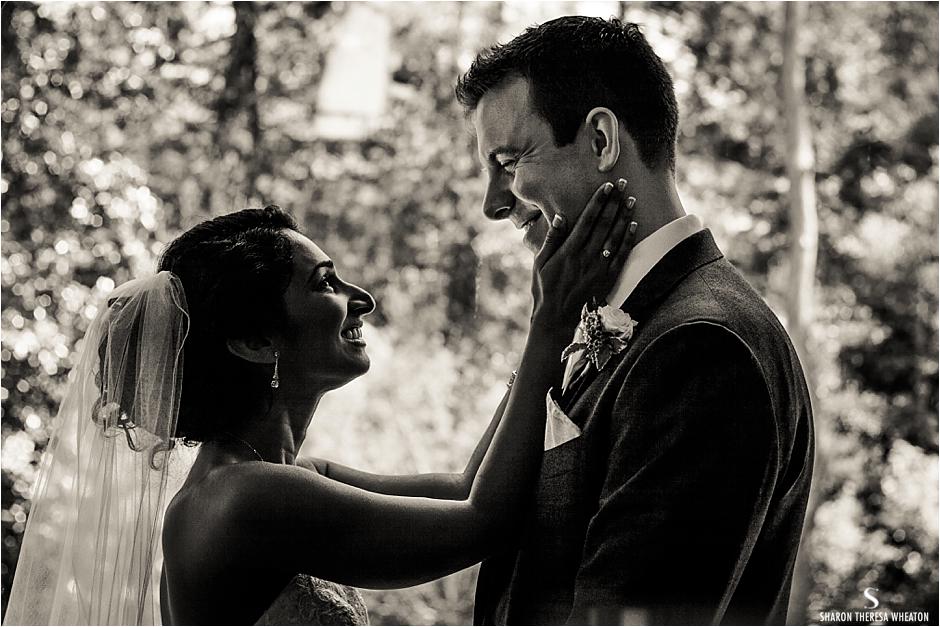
(307, 600)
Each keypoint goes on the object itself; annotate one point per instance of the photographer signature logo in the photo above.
(871, 614)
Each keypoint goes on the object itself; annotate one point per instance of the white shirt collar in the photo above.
(648, 252)
(640, 261)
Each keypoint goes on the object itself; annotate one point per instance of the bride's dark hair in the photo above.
(234, 269)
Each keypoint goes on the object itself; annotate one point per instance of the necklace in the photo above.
(253, 449)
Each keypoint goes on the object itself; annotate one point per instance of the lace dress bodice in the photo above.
(307, 600)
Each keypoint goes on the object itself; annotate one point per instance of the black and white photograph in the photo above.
(469, 313)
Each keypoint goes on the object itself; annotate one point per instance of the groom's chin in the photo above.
(534, 237)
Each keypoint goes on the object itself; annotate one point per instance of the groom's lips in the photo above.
(526, 222)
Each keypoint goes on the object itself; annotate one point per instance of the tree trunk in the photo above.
(240, 94)
(804, 234)
(804, 229)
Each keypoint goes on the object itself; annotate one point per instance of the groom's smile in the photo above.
(532, 224)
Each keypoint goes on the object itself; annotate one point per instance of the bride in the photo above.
(262, 324)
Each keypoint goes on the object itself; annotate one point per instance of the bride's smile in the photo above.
(321, 341)
(353, 334)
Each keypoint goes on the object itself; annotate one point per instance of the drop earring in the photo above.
(275, 380)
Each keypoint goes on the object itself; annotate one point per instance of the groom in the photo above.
(675, 477)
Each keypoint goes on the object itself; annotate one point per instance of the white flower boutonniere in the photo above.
(604, 332)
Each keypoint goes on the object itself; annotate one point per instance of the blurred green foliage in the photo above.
(124, 123)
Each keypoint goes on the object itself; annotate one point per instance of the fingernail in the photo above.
(557, 221)
(608, 187)
(622, 184)
(631, 201)
(632, 228)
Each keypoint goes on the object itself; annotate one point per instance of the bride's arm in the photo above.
(438, 485)
(284, 519)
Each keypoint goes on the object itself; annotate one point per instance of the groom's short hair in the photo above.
(576, 63)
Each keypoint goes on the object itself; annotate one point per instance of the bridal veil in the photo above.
(91, 553)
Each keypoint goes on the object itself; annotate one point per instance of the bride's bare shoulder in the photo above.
(219, 522)
(208, 546)
(210, 492)
(203, 508)
(219, 497)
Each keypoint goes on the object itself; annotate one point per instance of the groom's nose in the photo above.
(498, 200)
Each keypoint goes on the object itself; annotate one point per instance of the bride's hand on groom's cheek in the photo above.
(581, 262)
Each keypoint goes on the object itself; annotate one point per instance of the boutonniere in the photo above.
(604, 332)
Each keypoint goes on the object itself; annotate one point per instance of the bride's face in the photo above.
(323, 341)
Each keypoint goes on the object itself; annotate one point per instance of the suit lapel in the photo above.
(685, 257)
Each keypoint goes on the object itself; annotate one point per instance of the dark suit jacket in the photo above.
(683, 499)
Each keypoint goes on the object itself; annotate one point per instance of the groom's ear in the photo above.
(604, 128)
(257, 350)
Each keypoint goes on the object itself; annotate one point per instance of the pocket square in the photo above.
(558, 427)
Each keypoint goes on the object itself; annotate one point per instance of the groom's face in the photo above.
(529, 178)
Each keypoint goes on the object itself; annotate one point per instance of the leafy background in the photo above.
(124, 123)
